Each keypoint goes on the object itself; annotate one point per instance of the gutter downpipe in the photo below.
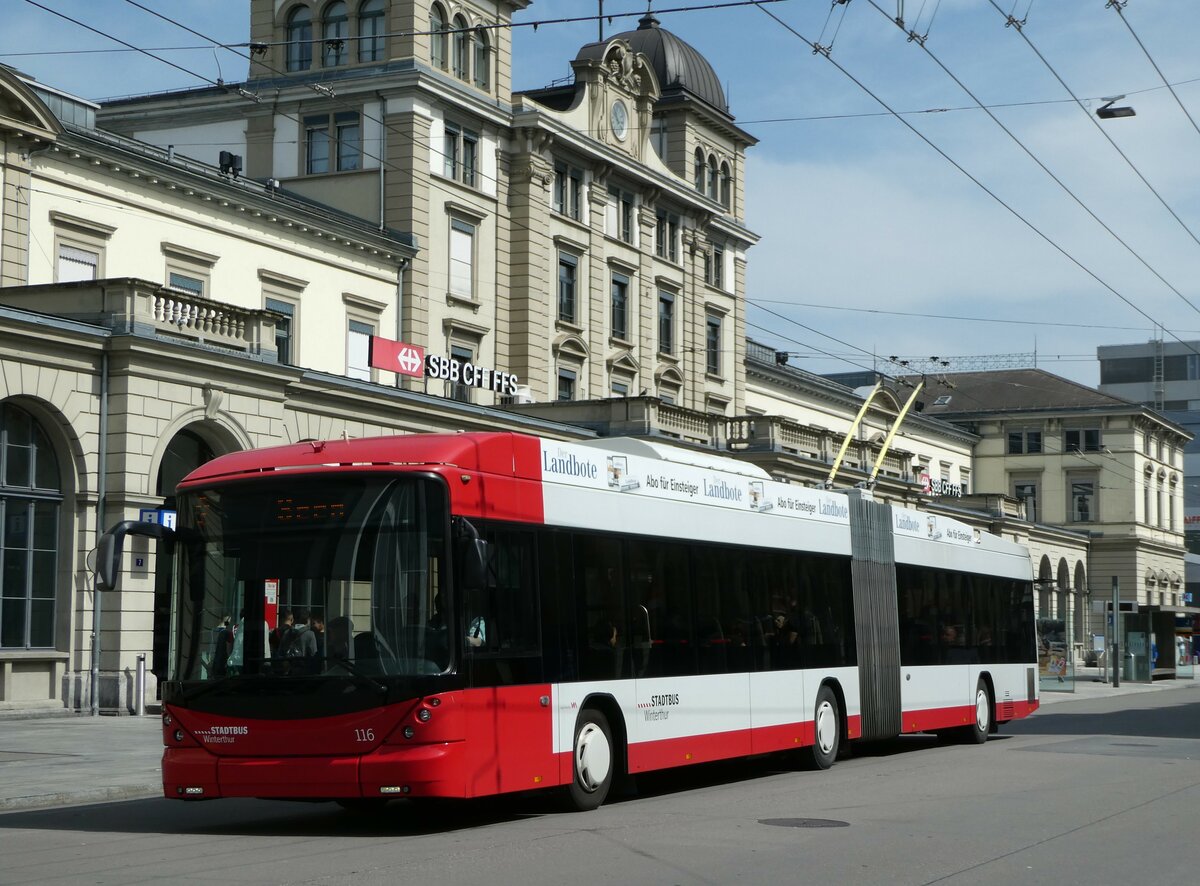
(382, 159)
(101, 492)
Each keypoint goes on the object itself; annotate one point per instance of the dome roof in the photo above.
(676, 64)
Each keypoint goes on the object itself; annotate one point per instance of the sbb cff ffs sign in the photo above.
(411, 360)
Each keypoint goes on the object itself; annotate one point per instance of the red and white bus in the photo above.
(503, 613)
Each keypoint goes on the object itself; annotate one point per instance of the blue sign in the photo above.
(160, 516)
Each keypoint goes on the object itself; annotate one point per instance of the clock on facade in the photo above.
(619, 119)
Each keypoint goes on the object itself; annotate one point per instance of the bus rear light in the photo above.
(424, 715)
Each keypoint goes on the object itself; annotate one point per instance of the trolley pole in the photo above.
(1116, 634)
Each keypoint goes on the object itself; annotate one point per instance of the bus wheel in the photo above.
(593, 760)
(978, 732)
(827, 729)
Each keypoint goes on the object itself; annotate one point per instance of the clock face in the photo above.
(620, 119)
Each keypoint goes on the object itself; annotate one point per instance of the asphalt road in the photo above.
(1091, 791)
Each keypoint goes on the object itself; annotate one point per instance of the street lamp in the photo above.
(1107, 112)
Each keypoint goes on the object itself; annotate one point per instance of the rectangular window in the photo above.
(462, 259)
(332, 142)
(568, 268)
(620, 306)
(666, 322)
(460, 154)
(358, 349)
(184, 283)
(568, 191)
(666, 236)
(459, 391)
(566, 384)
(1026, 491)
(620, 389)
(714, 266)
(348, 132)
(1022, 441)
(76, 264)
(621, 215)
(1081, 440)
(1083, 500)
(712, 344)
(283, 328)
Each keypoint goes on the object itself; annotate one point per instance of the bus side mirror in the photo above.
(108, 550)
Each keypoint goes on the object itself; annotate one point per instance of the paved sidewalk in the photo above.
(62, 761)
(59, 761)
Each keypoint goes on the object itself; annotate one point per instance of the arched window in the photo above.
(700, 171)
(299, 39)
(726, 186)
(461, 48)
(483, 60)
(186, 452)
(437, 38)
(335, 33)
(370, 31)
(30, 502)
(713, 172)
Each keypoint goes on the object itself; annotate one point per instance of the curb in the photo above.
(78, 798)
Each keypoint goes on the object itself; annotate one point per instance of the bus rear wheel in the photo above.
(827, 729)
(592, 755)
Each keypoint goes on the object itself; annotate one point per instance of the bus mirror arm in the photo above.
(109, 548)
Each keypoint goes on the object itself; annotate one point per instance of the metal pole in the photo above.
(139, 703)
(101, 478)
(1116, 622)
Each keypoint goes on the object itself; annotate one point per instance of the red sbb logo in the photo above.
(397, 356)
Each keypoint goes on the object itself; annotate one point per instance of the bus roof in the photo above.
(489, 452)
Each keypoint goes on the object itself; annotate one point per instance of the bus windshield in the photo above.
(311, 577)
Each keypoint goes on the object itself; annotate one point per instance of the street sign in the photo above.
(161, 516)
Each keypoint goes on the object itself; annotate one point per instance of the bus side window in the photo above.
(604, 645)
(501, 623)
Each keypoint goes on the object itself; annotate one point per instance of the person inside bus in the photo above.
(337, 641)
(317, 623)
(286, 621)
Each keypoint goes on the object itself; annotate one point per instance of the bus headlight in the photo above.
(424, 715)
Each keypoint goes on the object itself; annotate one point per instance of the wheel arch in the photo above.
(607, 705)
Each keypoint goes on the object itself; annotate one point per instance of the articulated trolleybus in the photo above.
(492, 612)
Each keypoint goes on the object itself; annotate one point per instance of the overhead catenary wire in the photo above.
(974, 179)
(1119, 8)
(1058, 181)
(1020, 30)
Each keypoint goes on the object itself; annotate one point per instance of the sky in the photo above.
(930, 232)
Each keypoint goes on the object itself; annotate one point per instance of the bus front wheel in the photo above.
(593, 758)
(827, 729)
